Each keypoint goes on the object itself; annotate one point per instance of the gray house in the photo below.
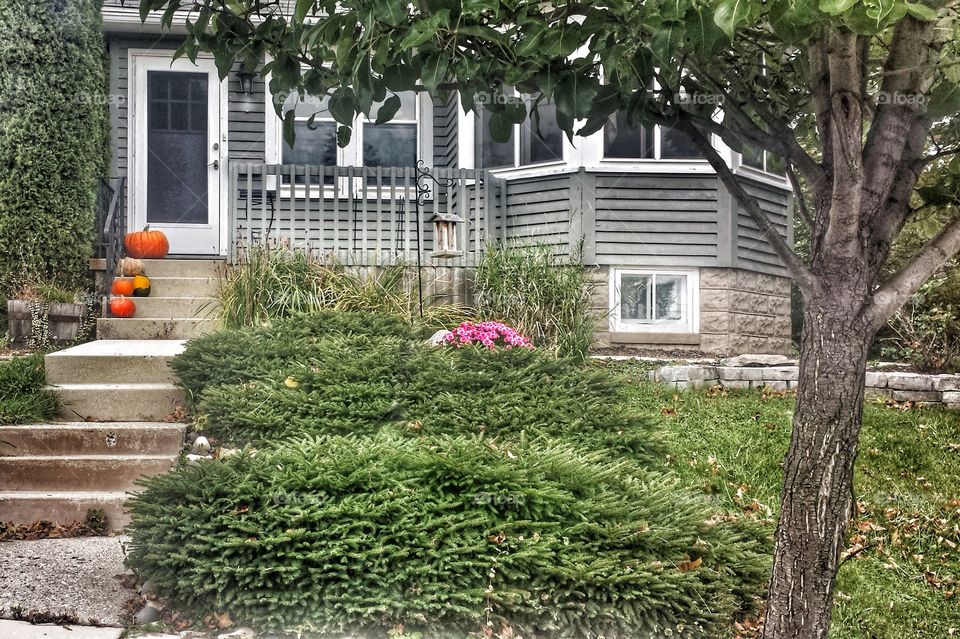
(681, 265)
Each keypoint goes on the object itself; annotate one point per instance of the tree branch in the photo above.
(895, 292)
(800, 198)
(804, 278)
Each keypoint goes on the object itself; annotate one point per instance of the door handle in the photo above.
(215, 164)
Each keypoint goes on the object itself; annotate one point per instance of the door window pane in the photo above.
(177, 142)
(624, 141)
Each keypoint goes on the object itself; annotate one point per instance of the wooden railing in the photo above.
(111, 228)
(363, 215)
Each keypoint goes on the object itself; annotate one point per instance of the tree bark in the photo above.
(816, 503)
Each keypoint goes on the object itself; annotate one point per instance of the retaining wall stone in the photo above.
(902, 387)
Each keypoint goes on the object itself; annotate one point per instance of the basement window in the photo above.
(644, 300)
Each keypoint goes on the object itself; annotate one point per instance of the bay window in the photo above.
(527, 145)
(623, 140)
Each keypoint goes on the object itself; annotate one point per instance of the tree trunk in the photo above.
(816, 504)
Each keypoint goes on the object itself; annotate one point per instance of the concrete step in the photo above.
(118, 402)
(167, 307)
(172, 267)
(79, 472)
(91, 438)
(176, 286)
(110, 361)
(26, 507)
(145, 328)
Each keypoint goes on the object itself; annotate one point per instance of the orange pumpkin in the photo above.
(122, 307)
(122, 286)
(146, 244)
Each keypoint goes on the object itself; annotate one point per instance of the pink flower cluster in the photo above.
(489, 334)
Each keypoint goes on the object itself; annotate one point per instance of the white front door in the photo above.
(177, 116)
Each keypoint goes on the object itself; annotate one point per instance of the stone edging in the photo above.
(902, 387)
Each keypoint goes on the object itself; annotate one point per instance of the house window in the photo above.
(528, 144)
(392, 144)
(762, 160)
(625, 141)
(654, 300)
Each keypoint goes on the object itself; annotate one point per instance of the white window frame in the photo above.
(352, 154)
(473, 123)
(690, 323)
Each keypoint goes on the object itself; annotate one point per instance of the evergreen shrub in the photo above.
(237, 356)
(302, 376)
(53, 139)
(357, 536)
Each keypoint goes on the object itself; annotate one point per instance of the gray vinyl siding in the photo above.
(245, 117)
(538, 211)
(445, 132)
(656, 219)
(753, 252)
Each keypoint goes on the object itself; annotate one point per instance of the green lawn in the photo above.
(903, 583)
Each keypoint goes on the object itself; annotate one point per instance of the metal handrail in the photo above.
(111, 229)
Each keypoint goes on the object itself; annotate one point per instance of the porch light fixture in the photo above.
(245, 78)
(445, 235)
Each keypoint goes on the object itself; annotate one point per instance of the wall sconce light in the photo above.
(245, 78)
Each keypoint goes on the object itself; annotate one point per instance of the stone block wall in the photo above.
(743, 312)
(901, 387)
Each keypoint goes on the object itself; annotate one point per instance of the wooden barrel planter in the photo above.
(18, 322)
(64, 321)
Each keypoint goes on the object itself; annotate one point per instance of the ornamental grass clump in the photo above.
(357, 536)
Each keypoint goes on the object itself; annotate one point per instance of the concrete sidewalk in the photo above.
(75, 577)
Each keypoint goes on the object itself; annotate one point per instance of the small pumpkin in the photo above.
(141, 285)
(129, 266)
(122, 307)
(122, 286)
(146, 244)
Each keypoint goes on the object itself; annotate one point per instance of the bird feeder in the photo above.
(445, 243)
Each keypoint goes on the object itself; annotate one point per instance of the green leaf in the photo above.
(288, 124)
(836, 7)
(343, 136)
(921, 11)
(301, 10)
(392, 12)
(575, 94)
(500, 126)
(730, 14)
(400, 78)
(342, 105)
(944, 100)
(434, 71)
(388, 109)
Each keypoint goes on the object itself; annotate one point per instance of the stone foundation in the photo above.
(740, 312)
(743, 312)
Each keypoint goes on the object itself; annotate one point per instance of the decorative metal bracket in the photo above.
(424, 177)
